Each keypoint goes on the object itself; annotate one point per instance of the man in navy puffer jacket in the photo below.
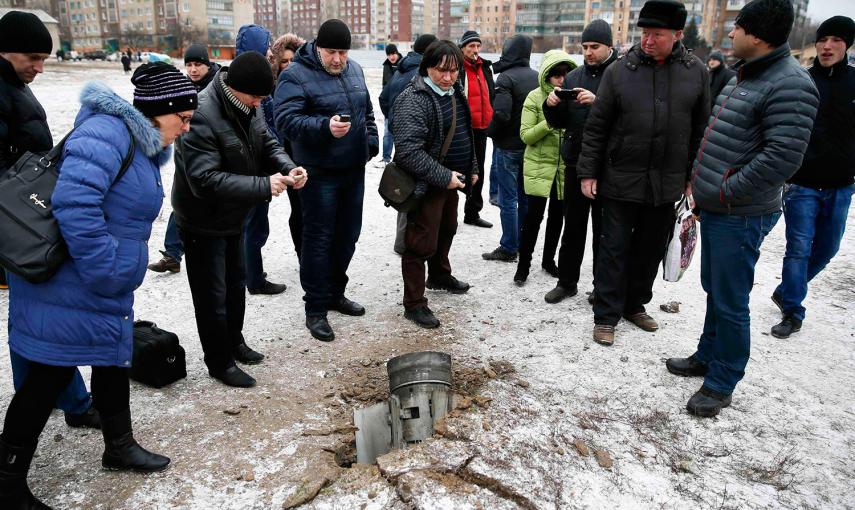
(319, 87)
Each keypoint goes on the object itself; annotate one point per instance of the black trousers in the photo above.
(215, 270)
(577, 207)
(295, 220)
(474, 198)
(531, 226)
(32, 404)
(633, 242)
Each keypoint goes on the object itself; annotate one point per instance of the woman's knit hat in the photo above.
(160, 89)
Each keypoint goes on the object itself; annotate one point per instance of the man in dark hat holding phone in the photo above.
(640, 137)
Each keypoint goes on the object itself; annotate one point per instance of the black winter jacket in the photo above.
(221, 170)
(213, 69)
(570, 115)
(407, 68)
(718, 79)
(830, 158)
(757, 136)
(645, 127)
(389, 69)
(23, 123)
(419, 134)
(516, 79)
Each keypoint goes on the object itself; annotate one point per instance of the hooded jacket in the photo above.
(645, 127)
(307, 96)
(252, 38)
(757, 136)
(407, 68)
(829, 161)
(389, 69)
(221, 169)
(570, 115)
(84, 314)
(23, 122)
(516, 79)
(542, 163)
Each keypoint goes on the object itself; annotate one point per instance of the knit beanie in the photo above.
(468, 37)
(250, 73)
(716, 55)
(598, 31)
(197, 53)
(769, 20)
(24, 32)
(423, 42)
(391, 49)
(160, 89)
(839, 26)
(333, 35)
(662, 14)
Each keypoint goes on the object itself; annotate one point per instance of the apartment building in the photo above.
(494, 20)
(458, 19)
(551, 23)
(267, 14)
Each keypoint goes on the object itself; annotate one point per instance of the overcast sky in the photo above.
(821, 10)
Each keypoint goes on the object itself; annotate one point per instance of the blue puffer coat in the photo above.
(305, 99)
(84, 314)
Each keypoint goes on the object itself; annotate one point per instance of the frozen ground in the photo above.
(549, 395)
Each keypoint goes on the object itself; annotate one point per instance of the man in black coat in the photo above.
(755, 142)
(639, 141)
(816, 204)
(571, 116)
(227, 163)
(720, 74)
(390, 66)
(516, 79)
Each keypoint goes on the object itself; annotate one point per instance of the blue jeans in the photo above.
(513, 204)
(74, 399)
(816, 220)
(332, 221)
(256, 230)
(494, 184)
(172, 243)
(388, 142)
(730, 247)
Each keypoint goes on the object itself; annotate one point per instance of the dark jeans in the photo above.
(513, 203)
(430, 231)
(730, 247)
(172, 244)
(33, 402)
(73, 399)
(577, 208)
(633, 242)
(332, 221)
(388, 142)
(295, 220)
(256, 230)
(474, 200)
(816, 221)
(215, 272)
(531, 226)
(494, 183)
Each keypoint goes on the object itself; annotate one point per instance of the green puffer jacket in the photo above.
(542, 164)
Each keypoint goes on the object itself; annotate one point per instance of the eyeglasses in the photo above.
(185, 119)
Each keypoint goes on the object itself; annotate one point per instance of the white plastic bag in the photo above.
(681, 245)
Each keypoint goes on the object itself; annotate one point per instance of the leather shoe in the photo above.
(686, 367)
(707, 403)
(643, 321)
(269, 288)
(448, 283)
(348, 307)
(320, 328)
(478, 222)
(233, 376)
(247, 356)
(423, 317)
(604, 334)
(787, 327)
(500, 254)
(166, 264)
(559, 293)
(87, 419)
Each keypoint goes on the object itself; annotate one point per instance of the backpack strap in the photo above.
(453, 127)
(129, 157)
(53, 155)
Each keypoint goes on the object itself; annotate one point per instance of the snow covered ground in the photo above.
(788, 440)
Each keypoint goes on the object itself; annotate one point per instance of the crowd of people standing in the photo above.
(619, 139)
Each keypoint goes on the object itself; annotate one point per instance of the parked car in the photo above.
(95, 55)
(114, 57)
(73, 56)
(144, 56)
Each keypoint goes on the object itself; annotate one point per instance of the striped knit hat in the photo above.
(160, 89)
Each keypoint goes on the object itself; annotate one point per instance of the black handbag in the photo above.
(159, 359)
(31, 245)
(398, 187)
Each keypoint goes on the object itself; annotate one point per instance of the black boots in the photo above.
(14, 465)
(320, 328)
(347, 307)
(787, 327)
(423, 317)
(707, 403)
(122, 452)
(246, 355)
(521, 275)
(686, 367)
(87, 419)
(559, 293)
(447, 283)
(233, 376)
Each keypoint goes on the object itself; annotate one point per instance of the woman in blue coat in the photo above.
(84, 314)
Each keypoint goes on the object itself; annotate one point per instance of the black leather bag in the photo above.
(159, 359)
(31, 245)
(397, 186)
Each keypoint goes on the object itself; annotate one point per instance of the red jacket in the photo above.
(478, 93)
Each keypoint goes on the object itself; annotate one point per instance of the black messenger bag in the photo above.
(159, 359)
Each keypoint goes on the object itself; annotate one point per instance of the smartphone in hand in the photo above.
(344, 118)
(567, 94)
